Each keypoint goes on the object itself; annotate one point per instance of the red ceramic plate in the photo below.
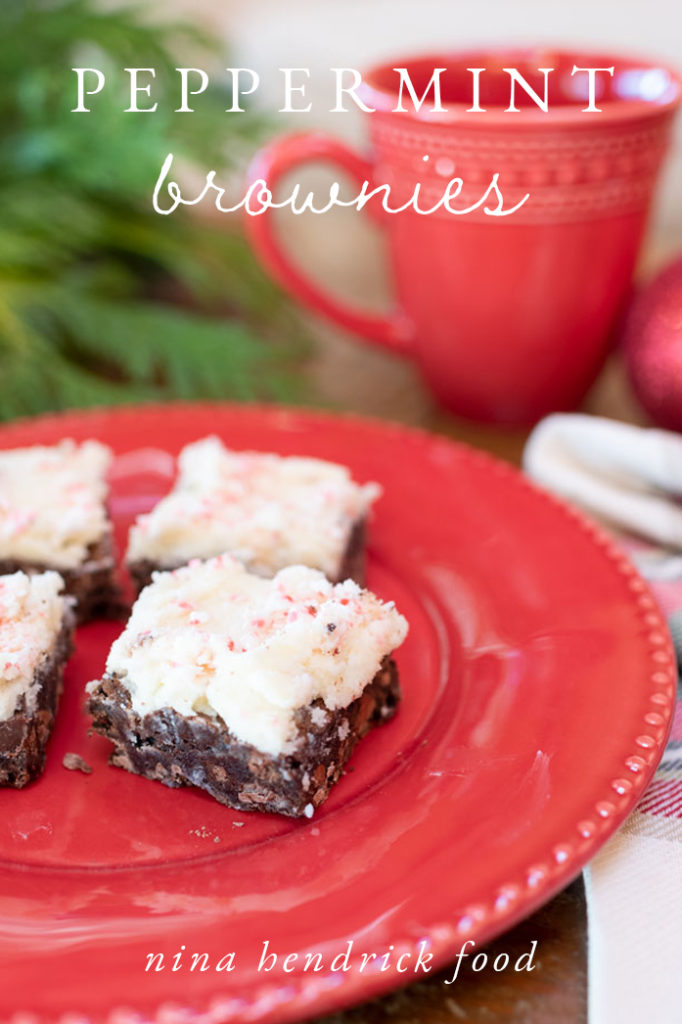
(538, 684)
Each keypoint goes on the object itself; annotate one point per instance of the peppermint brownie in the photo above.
(36, 629)
(267, 510)
(255, 690)
(53, 516)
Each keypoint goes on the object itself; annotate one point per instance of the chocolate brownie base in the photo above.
(200, 751)
(24, 736)
(352, 563)
(92, 583)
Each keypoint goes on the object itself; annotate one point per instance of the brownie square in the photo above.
(53, 516)
(255, 690)
(36, 638)
(267, 510)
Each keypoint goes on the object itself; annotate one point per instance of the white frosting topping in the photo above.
(52, 502)
(31, 613)
(215, 639)
(267, 510)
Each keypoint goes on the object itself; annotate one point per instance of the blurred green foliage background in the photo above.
(101, 299)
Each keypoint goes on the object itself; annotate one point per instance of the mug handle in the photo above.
(391, 330)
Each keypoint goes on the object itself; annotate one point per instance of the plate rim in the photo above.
(298, 997)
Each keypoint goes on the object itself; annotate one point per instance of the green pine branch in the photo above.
(102, 300)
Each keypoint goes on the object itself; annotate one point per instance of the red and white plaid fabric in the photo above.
(634, 885)
(631, 478)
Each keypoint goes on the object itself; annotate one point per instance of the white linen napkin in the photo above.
(631, 479)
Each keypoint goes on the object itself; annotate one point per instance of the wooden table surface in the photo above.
(365, 380)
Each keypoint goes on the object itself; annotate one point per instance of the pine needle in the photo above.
(102, 300)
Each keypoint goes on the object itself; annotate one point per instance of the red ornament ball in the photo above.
(653, 347)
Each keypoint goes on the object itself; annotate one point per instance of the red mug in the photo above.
(508, 318)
